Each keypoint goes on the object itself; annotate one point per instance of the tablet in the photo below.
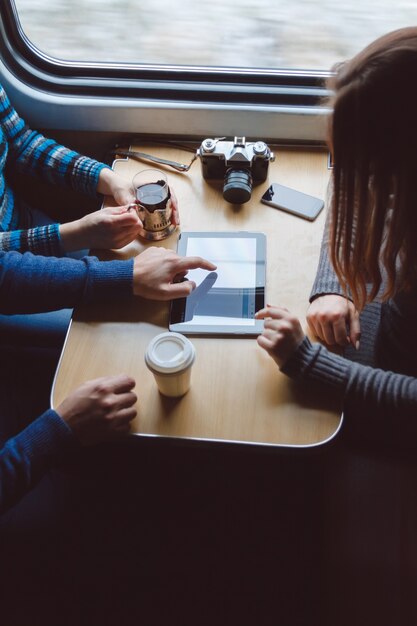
(225, 301)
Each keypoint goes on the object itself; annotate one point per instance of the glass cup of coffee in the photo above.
(170, 357)
(153, 204)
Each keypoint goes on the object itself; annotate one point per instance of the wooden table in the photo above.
(237, 393)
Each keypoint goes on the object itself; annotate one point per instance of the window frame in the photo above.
(181, 101)
(161, 82)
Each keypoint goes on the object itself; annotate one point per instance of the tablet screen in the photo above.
(225, 301)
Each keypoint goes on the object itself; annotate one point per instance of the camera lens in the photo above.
(237, 187)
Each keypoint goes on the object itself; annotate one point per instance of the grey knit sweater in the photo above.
(381, 377)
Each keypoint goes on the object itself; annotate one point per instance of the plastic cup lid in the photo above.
(169, 353)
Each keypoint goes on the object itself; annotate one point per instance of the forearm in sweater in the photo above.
(53, 163)
(326, 281)
(34, 154)
(31, 283)
(43, 240)
(24, 459)
(382, 392)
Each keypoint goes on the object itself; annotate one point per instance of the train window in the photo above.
(296, 34)
(223, 67)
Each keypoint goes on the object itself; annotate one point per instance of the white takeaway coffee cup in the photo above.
(170, 357)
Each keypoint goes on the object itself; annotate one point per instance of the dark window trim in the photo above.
(153, 82)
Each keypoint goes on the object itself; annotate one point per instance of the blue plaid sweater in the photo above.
(29, 152)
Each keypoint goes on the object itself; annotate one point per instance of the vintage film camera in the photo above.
(240, 163)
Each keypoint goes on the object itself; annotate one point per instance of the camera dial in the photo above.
(209, 145)
(260, 147)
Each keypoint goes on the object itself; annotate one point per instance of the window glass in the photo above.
(286, 34)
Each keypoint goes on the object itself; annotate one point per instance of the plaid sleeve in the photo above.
(44, 158)
(44, 240)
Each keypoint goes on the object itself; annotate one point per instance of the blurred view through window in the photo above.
(285, 34)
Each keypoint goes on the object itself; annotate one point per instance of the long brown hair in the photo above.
(373, 140)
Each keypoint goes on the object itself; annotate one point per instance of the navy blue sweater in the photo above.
(31, 284)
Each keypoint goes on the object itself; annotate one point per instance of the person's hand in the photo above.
(113, 227)
(282, 333)
(175, 216)
(335, 320)
(100, 409)
(159, 274)
(112, 184)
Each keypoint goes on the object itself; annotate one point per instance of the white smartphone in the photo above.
(293, 201)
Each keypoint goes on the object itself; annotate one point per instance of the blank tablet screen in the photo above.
(225, 301)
